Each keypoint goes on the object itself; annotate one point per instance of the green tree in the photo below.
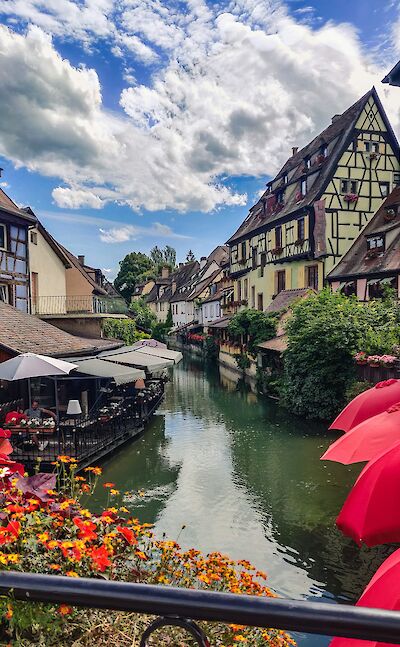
(169, 321)
(253, 326)
(324, 333)
(144, 316)
(132, 269)
(124, 329)
(160, 330)
(162, 257)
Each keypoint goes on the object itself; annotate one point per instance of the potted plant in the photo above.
(374, 360)
(361, 358)
(388, 361)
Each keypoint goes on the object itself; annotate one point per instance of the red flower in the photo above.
(128, 534)
(9, 533)
(100, 558)
(12, 465)
(5, 433)
(86, 529)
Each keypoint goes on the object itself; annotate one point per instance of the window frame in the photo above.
(280, 281)
(376, 238)
(387, 187)
(312, 277)
(278, 238)
(303, 186)
(3, 226)
(301, 228)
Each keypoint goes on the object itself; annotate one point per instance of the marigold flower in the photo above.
(114, 492)
(64, 610)
(64, 459)
(9, 613)
(71, 574)
(108, 484)
(55, 567)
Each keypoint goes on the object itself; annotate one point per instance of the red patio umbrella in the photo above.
(383, 592)
(368, 439)
(371, 512)
(376, 400)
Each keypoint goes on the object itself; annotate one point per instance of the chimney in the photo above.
(173, 287)
(335, 118)
(81, 259)
(165, 272)
(294, 150)
(203, 261)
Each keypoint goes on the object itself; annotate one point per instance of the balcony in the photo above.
(78, 305)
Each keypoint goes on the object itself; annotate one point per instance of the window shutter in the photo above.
(288, 278)
(306, 228)
(273, 239)
(300, 277)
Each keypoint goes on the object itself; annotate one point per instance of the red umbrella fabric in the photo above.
(383, 592)
(368, 439)
(370, 403)
(371, 512)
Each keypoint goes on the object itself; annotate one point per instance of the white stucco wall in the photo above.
(210, 311)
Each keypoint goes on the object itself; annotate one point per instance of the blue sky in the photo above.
(130, 123)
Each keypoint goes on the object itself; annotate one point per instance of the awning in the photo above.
(102, 368)
(138, 359)
(223, 322)
(163, 353)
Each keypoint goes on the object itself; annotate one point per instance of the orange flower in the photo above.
(71, 574)
(128, 534)
(64, 610)
(55, 567)
(100, 558)
(9, 613)
(108, 484)
(86, 529)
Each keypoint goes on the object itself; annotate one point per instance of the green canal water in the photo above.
(244, 477)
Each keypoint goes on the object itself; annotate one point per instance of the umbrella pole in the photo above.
(29, 393)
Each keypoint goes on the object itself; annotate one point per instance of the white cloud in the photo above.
(131, 232)
(236, 86)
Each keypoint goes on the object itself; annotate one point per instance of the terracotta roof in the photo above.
(278, 344)
(285, 298)
(75, 263)
(335, 137)
(23, 333)
(354, 262)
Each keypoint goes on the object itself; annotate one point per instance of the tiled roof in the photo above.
(335, 137)
(355, 263)
(180, 276)
(23, 333)
(6, 204)
(285, 298)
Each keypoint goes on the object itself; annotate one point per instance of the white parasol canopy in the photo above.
(29, 365)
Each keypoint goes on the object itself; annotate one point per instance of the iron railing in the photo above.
(86, 304)
(175, 606)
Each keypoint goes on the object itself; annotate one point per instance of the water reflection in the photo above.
(245, 478)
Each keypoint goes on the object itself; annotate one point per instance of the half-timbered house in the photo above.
(316, 206)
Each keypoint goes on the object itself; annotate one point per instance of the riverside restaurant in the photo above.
(83, 400)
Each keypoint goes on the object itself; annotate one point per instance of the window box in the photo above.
(374, 156)
(351, 197)
(320, 159)
(277, 251)
(390, 214)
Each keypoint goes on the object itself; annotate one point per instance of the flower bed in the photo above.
(50, 531)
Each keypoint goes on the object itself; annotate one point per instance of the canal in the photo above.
(244, 478)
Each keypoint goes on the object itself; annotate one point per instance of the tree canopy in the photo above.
(131, 271)
(144, 317)
(162, 257)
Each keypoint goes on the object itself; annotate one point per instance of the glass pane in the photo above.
(21, 250)
(2, 236)
(13, 245)
(21, 304)
(14, 231)
(20, 267)
(10, 264)
(22, 233)
(3, 262)
(21, 291)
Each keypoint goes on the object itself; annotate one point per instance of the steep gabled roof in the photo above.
(336, 138)
(53, 244)
(7, 205)
(355, 264)
(23, 333)
(180, 277)
(393, 77)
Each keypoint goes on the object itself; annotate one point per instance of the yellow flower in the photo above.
(114, 492)
(71, 574)
(13, 558)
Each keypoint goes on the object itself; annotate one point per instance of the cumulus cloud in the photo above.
(235, 86)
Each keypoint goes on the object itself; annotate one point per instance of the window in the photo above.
(3, 237)
(239, 290)
(285, 179)
(324, 150)
(211, 312)
(396, 178)
(260, 302)
(4, 293)
(254, 257)
(253, 296)
(312, 276)
(243, 250)
(371, 147)
(376, 242)
(278, 236)
(303, 187)
(307, 162)
(280, 197)
(280, 281)
(385, 189)
(300, 229)
(33, 237)
(348, 186)
(246, 289)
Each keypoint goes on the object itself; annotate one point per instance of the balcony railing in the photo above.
(176, 605)
(86, 304)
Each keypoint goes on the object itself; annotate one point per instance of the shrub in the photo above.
(242, 361)
(324, 333)
(211, 347)
(355, 389)
(123, 329)
(46, 531)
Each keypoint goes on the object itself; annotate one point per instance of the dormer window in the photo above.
(303, 186)
(307, 162)
(280, 197)
(285, 179)
(376, 243)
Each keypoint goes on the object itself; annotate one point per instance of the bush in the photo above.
(48, 531)
(144, 316)
(242, 361)
(254, 327)
(324, 333)
(123, 329)
(355, 389)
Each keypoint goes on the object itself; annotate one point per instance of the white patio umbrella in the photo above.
(31, 365)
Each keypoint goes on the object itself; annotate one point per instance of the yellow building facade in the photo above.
(316, 206)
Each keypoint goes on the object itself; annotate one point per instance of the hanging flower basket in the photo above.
(351, 197)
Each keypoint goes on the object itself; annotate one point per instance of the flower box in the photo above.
(351, 197)
(374, 156)
(361, 358)
(389, 215)
(373, 253)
